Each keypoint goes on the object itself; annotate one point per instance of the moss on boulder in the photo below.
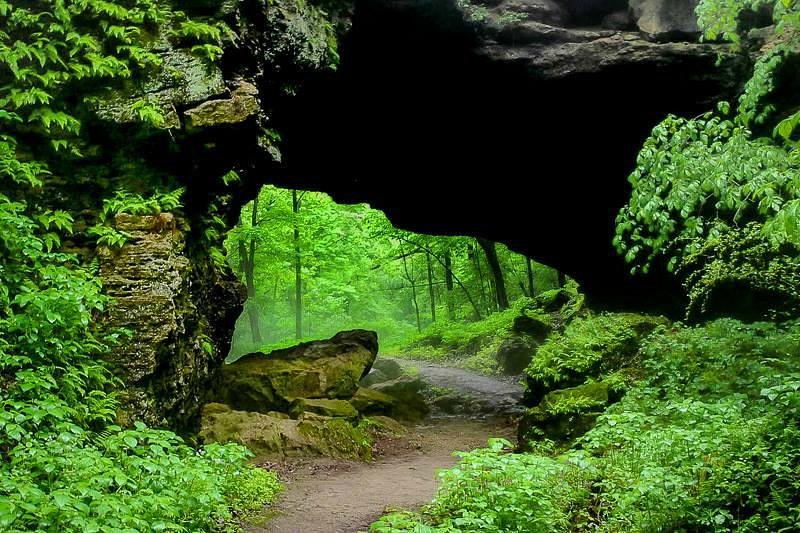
(325, 407)
(268, 436)
(320, 369)
(371, 402)
(588, 347)
(563, 415)
(407, 392)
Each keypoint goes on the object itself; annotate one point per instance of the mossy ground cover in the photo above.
(707, 441)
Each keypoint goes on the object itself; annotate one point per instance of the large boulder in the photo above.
(268, 436)
(371, 402)
(382, 370)
(407, 392)
(325, 407)
(319, 369)
(564, 415)
(666, 20)
(514, 354)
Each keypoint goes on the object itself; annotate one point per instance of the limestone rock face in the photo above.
(166, 363)
(320, 369)
(268, 436)
(182, 79)
(664, 20)
(241, 106)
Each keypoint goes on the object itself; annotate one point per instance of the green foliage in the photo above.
(739, 262)
(590, 346)
(135, 204)
(66, 466)
(694, 178)
(492, 490)
(699, 179)
(707, 441)
(248, 489)
(358, 270)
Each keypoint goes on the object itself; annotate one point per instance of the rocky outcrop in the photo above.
(242, 105)
(328, 369)
(581, 370)
(514, 354)
(171, 355)
(666, 20)
(565, 414)
(306, 400)
(274, 437)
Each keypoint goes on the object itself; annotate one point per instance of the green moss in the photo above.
(338, 438)
(590, 346)
(325, 407)
(371, 402)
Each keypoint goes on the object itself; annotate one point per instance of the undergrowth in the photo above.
(708, 441)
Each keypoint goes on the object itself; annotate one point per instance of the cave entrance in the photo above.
(313, 267)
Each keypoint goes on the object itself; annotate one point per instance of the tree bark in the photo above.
(490, 250)
(247, 260)
(477, 261)
(413, 293)
(448, 284)
(529, 264)
(298, 272)
(431, 292)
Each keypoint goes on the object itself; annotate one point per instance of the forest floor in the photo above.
(339, 496)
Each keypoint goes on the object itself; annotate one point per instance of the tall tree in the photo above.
(448, 284)
(431, 291)
(298, 268)
(529, 266)
(247, 265)
(413, 281)
(490, 250)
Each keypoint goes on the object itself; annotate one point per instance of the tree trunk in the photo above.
(490, 250)
(529, 264)
(448, 284)
(298, 274)
(247, 262)
(430, 287)
(477, 260)
(413, 293)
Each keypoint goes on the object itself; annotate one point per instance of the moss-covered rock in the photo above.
(406, 391)
(325, 407)
(563, 415)
(371, 402)
(588, 347)
(515, 354)
(241, 106)
(268, 436)
(319, 369)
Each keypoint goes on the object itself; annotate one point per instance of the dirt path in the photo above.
(330, 496)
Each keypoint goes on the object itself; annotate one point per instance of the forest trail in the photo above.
(492, 396)
(334, 496)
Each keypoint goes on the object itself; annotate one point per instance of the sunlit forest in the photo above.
(348, 266)
(313, 267)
